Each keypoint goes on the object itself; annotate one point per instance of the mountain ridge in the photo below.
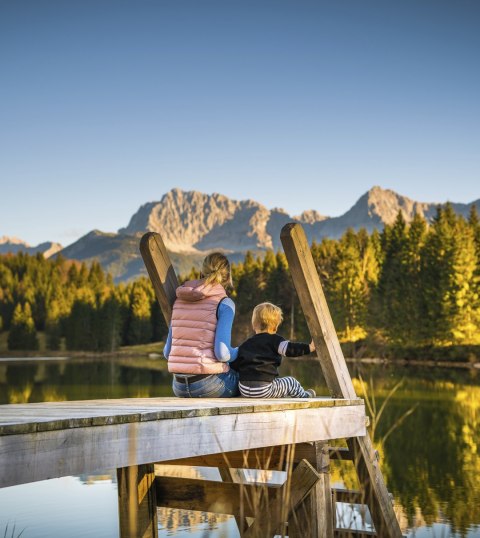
(193, 223)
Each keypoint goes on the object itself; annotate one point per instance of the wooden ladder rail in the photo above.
(165, 282)
(334, 368)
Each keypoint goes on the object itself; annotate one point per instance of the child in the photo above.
(260, 356)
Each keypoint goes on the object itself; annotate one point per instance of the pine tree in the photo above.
(22, 333)
(139, 327)
(449, 280)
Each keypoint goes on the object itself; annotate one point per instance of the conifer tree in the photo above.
(449, 283)
(139, 327)
(22, 333)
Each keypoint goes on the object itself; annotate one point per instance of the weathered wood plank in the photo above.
(137, 505)
(240, 500)
(314, 517)
(30, 418)
(160, 271)
(276, 514)
(350, 496)
(334, 368)
(49, 454)
(267, 458)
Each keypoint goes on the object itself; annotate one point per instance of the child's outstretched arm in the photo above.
(294, 349)
(224, 352)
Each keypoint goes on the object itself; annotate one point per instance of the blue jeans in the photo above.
(215, 386)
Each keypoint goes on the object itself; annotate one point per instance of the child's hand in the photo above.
(312, 347)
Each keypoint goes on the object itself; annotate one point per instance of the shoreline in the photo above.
(153, 353)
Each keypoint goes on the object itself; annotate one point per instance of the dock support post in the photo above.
(137, 502)
(334, 368)
(315, 517)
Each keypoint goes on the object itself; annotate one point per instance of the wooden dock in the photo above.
(49, 440)
(41, 441)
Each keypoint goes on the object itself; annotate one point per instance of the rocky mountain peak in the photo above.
(310, 216)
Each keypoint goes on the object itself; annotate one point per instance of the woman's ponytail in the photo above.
(216, 270)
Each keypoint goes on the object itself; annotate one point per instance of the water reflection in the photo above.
(431, 462)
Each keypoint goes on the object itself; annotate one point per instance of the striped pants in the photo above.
(280, 387)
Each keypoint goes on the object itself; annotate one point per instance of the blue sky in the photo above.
(106, 105)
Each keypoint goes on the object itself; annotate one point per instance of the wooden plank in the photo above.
(267, 458)
(315, 515)
(334, 368)
(231, 475)
(276, 514)
(30, 418)
(160, 270)
(49, 454)
(315, 309)
(350, 496)
(137, 505)
(240, 500)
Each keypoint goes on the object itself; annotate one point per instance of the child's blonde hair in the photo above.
(216, 270)
(266, 317)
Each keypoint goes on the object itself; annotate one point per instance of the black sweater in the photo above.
(259, 358)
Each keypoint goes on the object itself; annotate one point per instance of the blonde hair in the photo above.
(266, 317)
(216, 270)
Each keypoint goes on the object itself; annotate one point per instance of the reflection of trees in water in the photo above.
(20, 395)
(431, 463)
(81, 379)
(175, 519)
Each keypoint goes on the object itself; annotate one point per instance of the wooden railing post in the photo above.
(334, 368)
(160, 270)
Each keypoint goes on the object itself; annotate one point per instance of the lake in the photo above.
(427, 435)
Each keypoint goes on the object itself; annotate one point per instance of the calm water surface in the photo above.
(428, 436)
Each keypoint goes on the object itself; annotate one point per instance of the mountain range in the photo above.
(193, 223)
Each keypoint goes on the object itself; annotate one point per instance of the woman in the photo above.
(198, 346)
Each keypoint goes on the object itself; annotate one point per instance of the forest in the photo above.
(411, 290)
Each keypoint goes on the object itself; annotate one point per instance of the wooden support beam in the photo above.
(137, 505)
(267, 458)
(334, 368)
(237, 476)
(274, 518)
(350, 496)
(315, 515)
(239, 500)
(161, 271)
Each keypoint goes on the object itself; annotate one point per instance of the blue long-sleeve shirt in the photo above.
(224, 352)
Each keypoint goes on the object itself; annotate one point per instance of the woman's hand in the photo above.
(312, 347)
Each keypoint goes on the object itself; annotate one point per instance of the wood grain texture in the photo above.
(314, 517)
(160, 270)
(314, 306)
(334, 368)
(54, 453)
(267, 458)
(239, 500)
(274, 517)
(31, 418)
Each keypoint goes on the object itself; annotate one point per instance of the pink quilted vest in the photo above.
(194, 320)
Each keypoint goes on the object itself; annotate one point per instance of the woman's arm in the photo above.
(224, 352)
(168, 344)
